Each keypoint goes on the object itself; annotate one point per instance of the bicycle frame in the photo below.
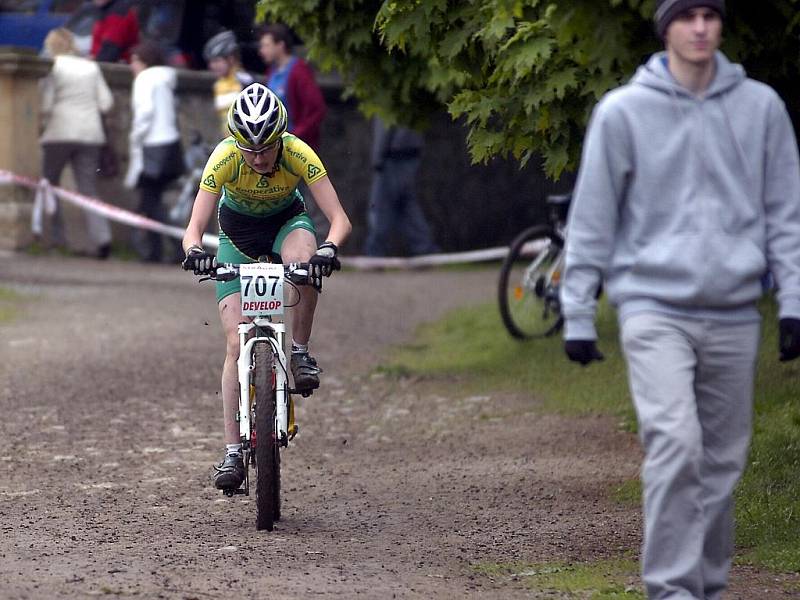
(265, 413)
(275, 335)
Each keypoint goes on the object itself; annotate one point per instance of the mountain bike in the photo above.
(530, 277)
(266, 407)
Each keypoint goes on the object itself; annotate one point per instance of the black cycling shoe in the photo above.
(230, 472)
(305, 371)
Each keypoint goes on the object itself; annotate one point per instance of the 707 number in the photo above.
(260, 284)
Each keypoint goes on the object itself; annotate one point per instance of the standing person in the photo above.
(156, 156)
(251, 181)
(74, 98)
(688, 192)
(221, 53)
(393, 204)
(292, 79)
(115, 32)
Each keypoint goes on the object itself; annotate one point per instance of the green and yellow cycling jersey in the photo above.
(251, 193)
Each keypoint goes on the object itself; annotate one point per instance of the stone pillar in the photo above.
(20, 72)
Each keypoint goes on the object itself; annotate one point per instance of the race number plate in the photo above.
(262, 289)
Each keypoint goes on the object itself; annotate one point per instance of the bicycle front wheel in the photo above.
(529, 286)
(268, 465)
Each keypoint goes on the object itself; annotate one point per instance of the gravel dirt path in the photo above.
(393, 488)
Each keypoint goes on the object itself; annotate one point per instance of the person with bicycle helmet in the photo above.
(221, 53)
(251, 179)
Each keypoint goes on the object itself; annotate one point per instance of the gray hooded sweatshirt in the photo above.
(684, 203)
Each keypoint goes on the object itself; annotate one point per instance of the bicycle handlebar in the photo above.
(296, 273)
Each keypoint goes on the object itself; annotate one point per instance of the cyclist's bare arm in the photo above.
(328, 201)
(205, 203)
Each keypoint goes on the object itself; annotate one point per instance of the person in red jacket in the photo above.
(115, 32)
(292, 80)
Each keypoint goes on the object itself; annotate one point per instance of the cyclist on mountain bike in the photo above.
(252, 176)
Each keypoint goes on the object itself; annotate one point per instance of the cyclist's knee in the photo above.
(296, 255)
(298, 246)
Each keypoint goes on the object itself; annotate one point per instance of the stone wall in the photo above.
(469, 206)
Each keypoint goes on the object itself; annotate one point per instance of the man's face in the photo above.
(694, 35)
(269, 49)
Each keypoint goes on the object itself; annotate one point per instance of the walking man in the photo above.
(688, 194)
(393, 203)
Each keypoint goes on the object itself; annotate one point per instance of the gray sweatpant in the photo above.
(692, 385)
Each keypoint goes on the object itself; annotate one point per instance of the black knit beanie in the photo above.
(667, 10)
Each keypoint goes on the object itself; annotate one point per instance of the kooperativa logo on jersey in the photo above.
(297, 155)
(223, 162)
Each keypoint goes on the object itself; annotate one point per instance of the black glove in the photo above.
(323, 263)
(790, 338)
(199, 261)
(582, 351)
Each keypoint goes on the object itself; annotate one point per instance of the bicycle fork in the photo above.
(277, 333)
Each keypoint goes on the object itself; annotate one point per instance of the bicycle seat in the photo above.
(559, 199)
(559, 207)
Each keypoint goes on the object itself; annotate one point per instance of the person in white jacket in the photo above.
(74, 96)
(156, 157)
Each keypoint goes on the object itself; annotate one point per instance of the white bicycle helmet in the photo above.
(257, 117)
(221, 45)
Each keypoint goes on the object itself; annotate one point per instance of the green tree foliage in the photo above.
(522, 74)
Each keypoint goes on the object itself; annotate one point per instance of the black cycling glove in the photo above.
(199, 261)
(323, 263)
(582, 351)
(789, 338)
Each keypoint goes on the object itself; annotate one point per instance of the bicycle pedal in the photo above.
(231, 492)
(293, 431)
(305, 393)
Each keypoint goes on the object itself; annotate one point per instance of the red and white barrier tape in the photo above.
(43, 204)
(110, 211)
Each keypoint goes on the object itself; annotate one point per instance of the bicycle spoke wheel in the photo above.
(267, 465)
(529, 286)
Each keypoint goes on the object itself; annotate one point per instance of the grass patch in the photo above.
(768, 497)
(629, 493)
(10, 302)
(472, 344)
(601, 580)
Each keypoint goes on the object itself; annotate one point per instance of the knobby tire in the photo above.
(268, 470)
(525, 313)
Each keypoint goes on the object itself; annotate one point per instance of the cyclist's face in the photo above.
(694, 35)
(262, 161)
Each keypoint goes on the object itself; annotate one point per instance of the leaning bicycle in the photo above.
(530, 277)
(266, 407)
